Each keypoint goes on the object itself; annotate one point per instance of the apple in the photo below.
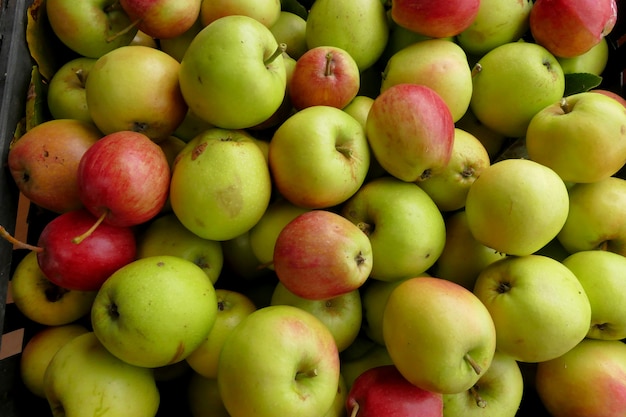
(44, 302)
(154, 311)
(449, 188)
(596, 217)
(611, 94)
(359, 107)
(166, 235)
(359, 27)
(290, 29)
(319, 157)
(567, 137)
(203, 397)
(382, 208)
(399, 38)
(435, 19)
(516, 206)
(90, 28)
(320, 255)
(40, 349)
(136, 88)
(82, 367)
(266, 12)
(44, 162)
(324, 76)
(232, 308)
(341, 314)
(142, 38)
(66, 97)
(361, 355)
(338, 408)
(124, 178)
(162, 18)
(279, 361)
(452, 339)
(496, 23)
(601, 275)
(511, 83)
(411, 131)
(594, 61)
(221, 184)
(572, 27)
(498, 392)
(241, 260)
(228, 98)
(383, 391)
(177, 46)
(436, 63)
(491, 140)
(539, 307)
(586, 381)
(191, 126)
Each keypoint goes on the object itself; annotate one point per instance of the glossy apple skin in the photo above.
(383, 391)
(436, 19)
(162, 19)
(84, 266)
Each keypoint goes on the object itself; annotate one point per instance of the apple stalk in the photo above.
(89, 231)
(480, 401)
(18, 244)
(282, 47)
(475, 366)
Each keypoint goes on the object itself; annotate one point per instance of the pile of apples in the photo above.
(311, 209)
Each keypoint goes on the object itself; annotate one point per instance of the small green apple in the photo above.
(491, 140)
(177, 46)
(66, 96)
(266, 12)
(290, 29)
(361, 355)
(359, 108)
(593, 61)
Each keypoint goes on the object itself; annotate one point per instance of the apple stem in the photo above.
(309, 374)
(477, 69)
(480, 401)
(476, 367)
(355, 410)
(344, 150)
(282, 47)
(123, 31)
(78, 239)
(80, 74)
(329, 65)
(564, 105)
(16, 243)
(365, 227)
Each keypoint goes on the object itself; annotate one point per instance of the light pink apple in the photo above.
(435, 19)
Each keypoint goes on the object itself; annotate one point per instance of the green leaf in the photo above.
(295, 7)
(580, 82)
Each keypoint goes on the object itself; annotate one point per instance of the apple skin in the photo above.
(136, 88)
(324, 76)
(266, 12)
(83, 366)
(572, 27)
(280, 360)
(525, 214)
(125, 178)
(491, 140)
(67, 98)
(593, 61)
(321, 254)
(567, 137)
(435, 19)
(44, 302)
(162, 18)
(453, 337)
(383, 391)
(319, 157)
(90, 28)
(360, 356)
(586, 381)
(539, 307)
(611, 94)
(35, 162)
(359, 107)
(601, 275)
(290, 29)
(411, 131)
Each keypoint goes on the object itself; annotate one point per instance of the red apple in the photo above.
(435, 19)
(162, 19)
(568, 28)
(320, 254)
(325, 76)
(383, 391)
(124, 178)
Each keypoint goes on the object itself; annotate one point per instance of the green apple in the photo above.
(463, 257)
(362, 355)
(221, 95)
(191, 126)
(232, 308)
(449, 188)
(341, 314)
(241, 260)
(360, 27)
(44, 302)
(491, 140)
(452, 339)
(587, 381)
(84, 378)
(221, 184)
(66, 96)
(359, 108)
(601, 274)
(177, 45)
(319, 157)
(142, 38)
(404, 226)
(596, 218)
(136, 88)
(279, 361)
(338, 408)
(593, 61)
(90, 28)
(497, 393)
(539, 307)
(154, 311)
(581, 137)
(166, 235)
(40, 349)
(204, 398)
(290, 29)
(266, 12)
(400, 37)
(437, 63)
(497, 22)
(511, 83)
(516, 206)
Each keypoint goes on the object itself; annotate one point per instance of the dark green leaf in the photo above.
(580, 82)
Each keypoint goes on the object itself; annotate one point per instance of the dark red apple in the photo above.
(383, 391)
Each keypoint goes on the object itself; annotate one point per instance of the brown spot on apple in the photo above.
(160, 263)
(180, 350)
(198, 150)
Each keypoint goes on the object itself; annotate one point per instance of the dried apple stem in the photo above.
(564, 105)
(355, 410)
(18, 244)
(329, 64)
(78, 239)
(123, 31)
(282, 47)
(476, 367)
(479, 400)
